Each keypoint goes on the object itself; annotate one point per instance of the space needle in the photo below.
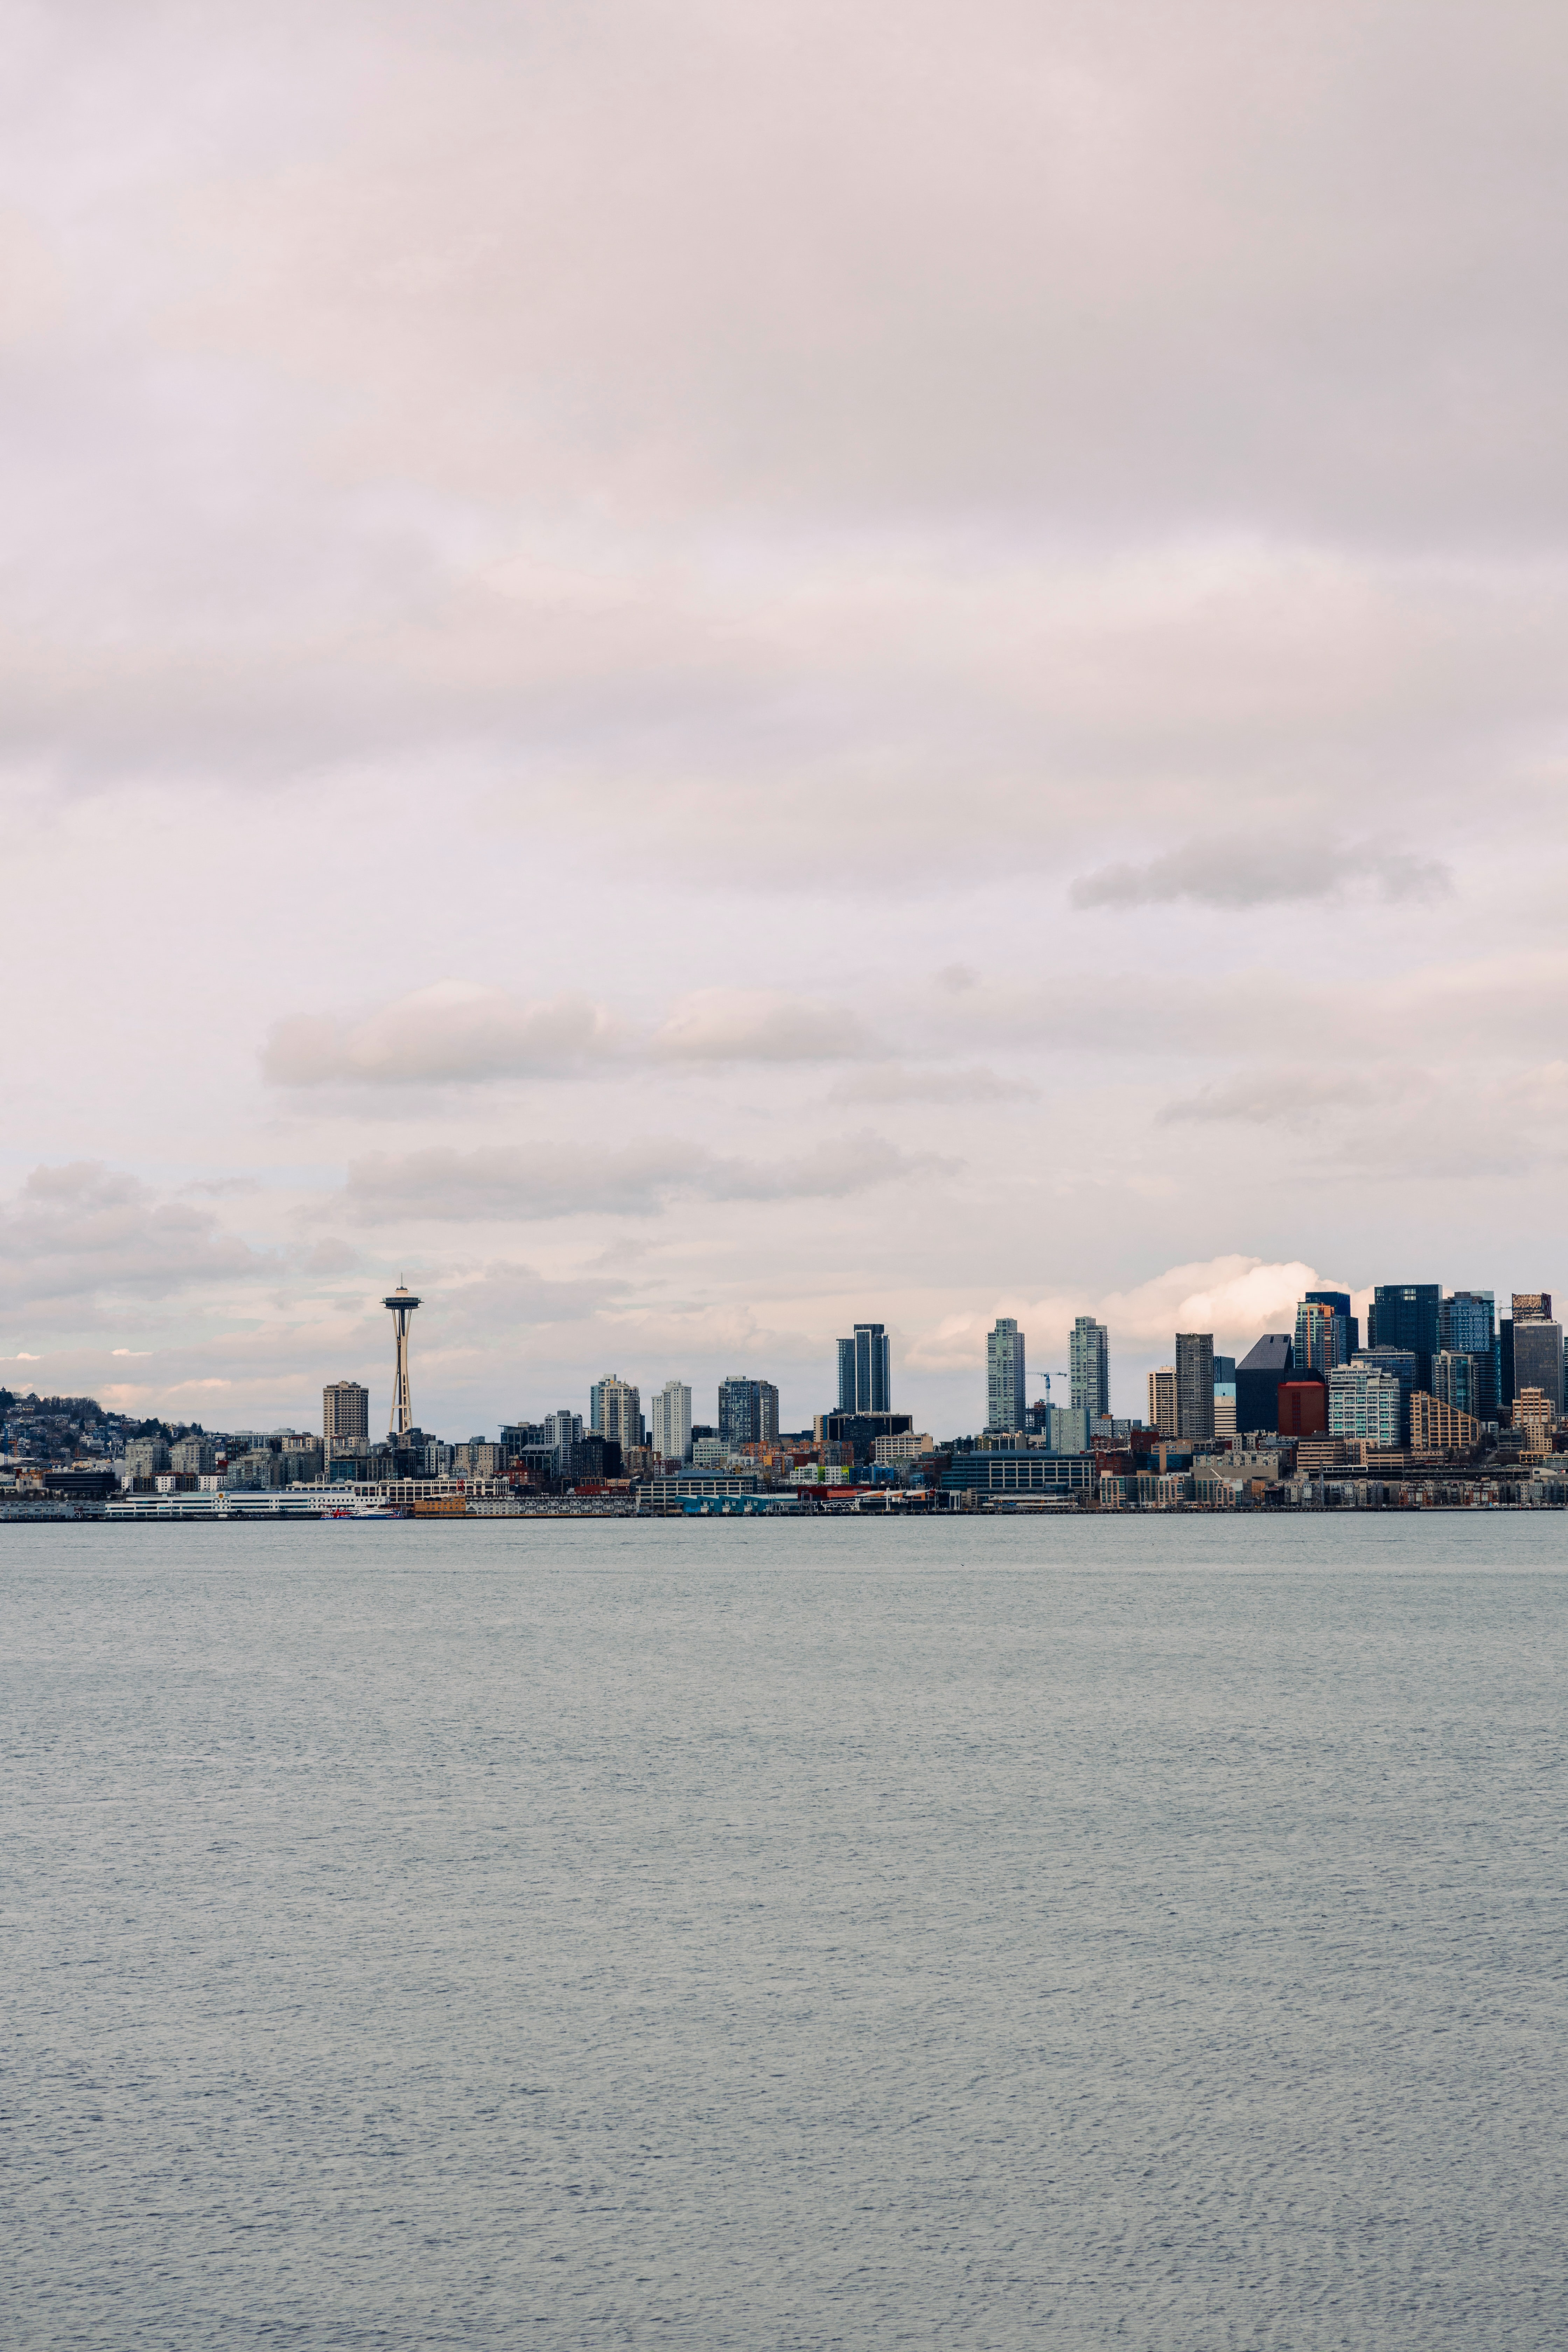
(403, 1304)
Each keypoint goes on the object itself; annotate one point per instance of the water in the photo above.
(1146, 1934)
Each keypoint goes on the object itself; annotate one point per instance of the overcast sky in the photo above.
(696, 672)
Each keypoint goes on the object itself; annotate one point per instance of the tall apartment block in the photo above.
(748, 1411)
(1089, 1367)
(670, 1422)
(614, 1410)
(1366, 1402)
(865, 1383)
(1194, 1384)
(345, 1419)
(1326, 1331)
(1162, 1400)
(1005, 1399)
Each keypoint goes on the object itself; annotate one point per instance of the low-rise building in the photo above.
(1438, 1427)
(1023, 1470)
(905, 1447)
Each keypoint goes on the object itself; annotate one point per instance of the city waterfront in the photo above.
(1082, 1929)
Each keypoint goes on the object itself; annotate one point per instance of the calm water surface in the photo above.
(1129, 1934)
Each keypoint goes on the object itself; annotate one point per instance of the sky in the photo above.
(693, 674)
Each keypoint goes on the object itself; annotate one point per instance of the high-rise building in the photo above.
(1404, 1314)
(1162, 1400)
(1537, 1355)
(563, 1431)
(670, 1422)
(1326, 1332)
(1224, 1396)
(1463, 1382)
(1401, 1364)
(865, 1383)
(345, 1418)
(1467, 1326)
(614, 1412)
(1194, 1384)
(748, 1411)
(1089, 1367)
(1338, 1302)
(1532, 1307)
(1258, 1377)
(1005, 1399)
(1366, 1402)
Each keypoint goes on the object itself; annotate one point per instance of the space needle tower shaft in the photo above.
(402, 1304)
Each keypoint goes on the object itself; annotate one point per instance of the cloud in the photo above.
(84, 1230)
(1240, 874)
(1293, 1097)
(505, 1182)
(733, 1025)
(1235, 1298)
(454, 1031)
(896, 1082)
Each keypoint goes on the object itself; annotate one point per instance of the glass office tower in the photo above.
(1406, 1315)
(1467, 1326)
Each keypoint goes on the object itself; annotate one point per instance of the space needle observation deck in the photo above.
(402, 1304)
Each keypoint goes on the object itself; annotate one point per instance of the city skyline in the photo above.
(808, 1383)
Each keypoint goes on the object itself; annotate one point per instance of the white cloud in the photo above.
(1235, 1298)
(1294, 1096)
(454, 1030)
(731, 1024)
(85, 1232)
(896, 1082)
(508, 1182)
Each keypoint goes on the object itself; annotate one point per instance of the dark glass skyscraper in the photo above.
(1467, 1326)
(1404, 1314)
(1538, 1357)
(864, 1381)
(1257, 1379)
(1194, 1384)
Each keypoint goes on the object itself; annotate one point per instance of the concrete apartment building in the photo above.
(1005, 1376)
(670, 1422)
(345, 1419)
(1089, 1368)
